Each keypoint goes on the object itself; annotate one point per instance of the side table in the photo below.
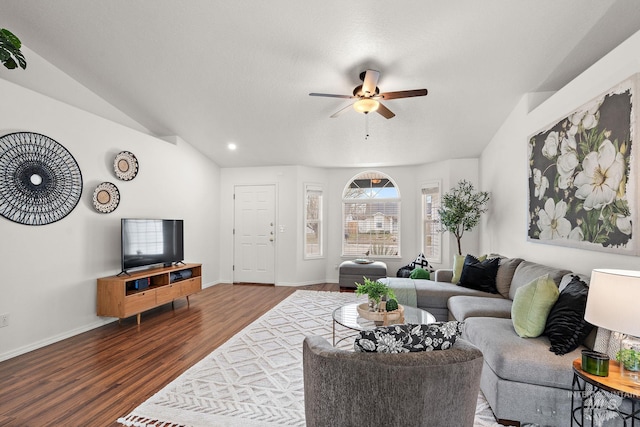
(614, 383)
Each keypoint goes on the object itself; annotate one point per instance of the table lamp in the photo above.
(613, 304)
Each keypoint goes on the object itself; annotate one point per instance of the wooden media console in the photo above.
(126, 295)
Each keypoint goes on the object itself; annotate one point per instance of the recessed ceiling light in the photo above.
(231, 146)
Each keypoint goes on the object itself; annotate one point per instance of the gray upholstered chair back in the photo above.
(435, 388)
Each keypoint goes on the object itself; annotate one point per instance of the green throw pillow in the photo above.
(531, 306)
(420, 273)
(458, 263)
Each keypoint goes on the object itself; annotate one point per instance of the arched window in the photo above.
(371, 216)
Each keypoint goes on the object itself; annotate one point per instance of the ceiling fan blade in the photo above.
(370, 82)
(337, 113)
(403, 94)
(328, 95)
(385, 112)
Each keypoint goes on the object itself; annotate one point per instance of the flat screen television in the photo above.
(147, 242)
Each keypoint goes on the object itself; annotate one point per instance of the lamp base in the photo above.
(629, 358)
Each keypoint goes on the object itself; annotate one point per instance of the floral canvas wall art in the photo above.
(582, 179)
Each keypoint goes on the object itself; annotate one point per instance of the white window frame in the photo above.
(308, 189)
(395, 226)
(430, 222)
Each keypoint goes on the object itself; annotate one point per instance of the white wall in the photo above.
(312, 270)
(49, 272)
(449, 173)
(291, 267)
(409, 180)
(43, 77)
(404, 178)
(285, 180)
(504, 171)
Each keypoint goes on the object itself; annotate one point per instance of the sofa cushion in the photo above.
(432, 294)
(420, 273)
(404, 271)
(566, 327)
(458, 264)
(568, 278)
(505, 274)
(462, 307)
(443, 275)
(528, 271)
(531, 306)
(408, 338)
(518, 359)
(480, 275)
(420, 262)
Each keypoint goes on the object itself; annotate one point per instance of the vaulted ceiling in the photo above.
(214, 72)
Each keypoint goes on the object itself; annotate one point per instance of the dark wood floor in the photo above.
(94, 378)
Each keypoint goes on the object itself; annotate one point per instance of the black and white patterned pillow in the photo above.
(409, 338)
(421, 262)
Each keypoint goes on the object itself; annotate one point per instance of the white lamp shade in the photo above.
(614, 301)
(366, 105)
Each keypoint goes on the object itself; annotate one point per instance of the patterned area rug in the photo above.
(255, 378)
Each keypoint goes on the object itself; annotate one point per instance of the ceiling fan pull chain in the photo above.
(366, 127)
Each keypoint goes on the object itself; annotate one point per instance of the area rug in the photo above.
(255, 378)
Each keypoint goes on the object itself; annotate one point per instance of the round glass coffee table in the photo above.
(347, 316)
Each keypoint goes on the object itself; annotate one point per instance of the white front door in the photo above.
(254, 234)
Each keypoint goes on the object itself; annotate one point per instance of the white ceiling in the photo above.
(214, 72)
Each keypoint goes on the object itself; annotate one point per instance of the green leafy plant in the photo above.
(374, 289)
(461, 209)
(10, 54)
(629, 358)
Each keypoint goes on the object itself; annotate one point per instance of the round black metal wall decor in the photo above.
(40, 181)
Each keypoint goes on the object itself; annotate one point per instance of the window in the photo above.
(431, 242)
(313, 222)
(371, 216)
(146, 237)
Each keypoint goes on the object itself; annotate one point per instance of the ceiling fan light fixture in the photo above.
(366, 105)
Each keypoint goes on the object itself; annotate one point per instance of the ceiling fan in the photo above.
(368, 96)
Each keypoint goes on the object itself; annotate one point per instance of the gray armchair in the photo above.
(434, 388)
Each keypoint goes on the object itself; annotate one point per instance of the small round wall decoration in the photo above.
(125, 165)
(106, 197)
(40, 181)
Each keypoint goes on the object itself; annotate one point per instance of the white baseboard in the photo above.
(50, 340)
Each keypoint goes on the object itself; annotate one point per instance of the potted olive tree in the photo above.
(461, 208)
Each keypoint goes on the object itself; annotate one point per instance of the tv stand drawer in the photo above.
(141, 301)
(167, 293)
(191, 286)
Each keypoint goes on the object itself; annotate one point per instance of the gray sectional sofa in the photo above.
(523, 381)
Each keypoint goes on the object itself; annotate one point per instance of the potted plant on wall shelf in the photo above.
(461, 209)
(10, 53)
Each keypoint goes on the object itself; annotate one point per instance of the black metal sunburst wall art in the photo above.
(40, 181)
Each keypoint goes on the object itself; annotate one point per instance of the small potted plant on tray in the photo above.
(376, 291)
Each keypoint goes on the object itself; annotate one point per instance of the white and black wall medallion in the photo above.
(106, 197)
(40, 181)
(125, 165)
